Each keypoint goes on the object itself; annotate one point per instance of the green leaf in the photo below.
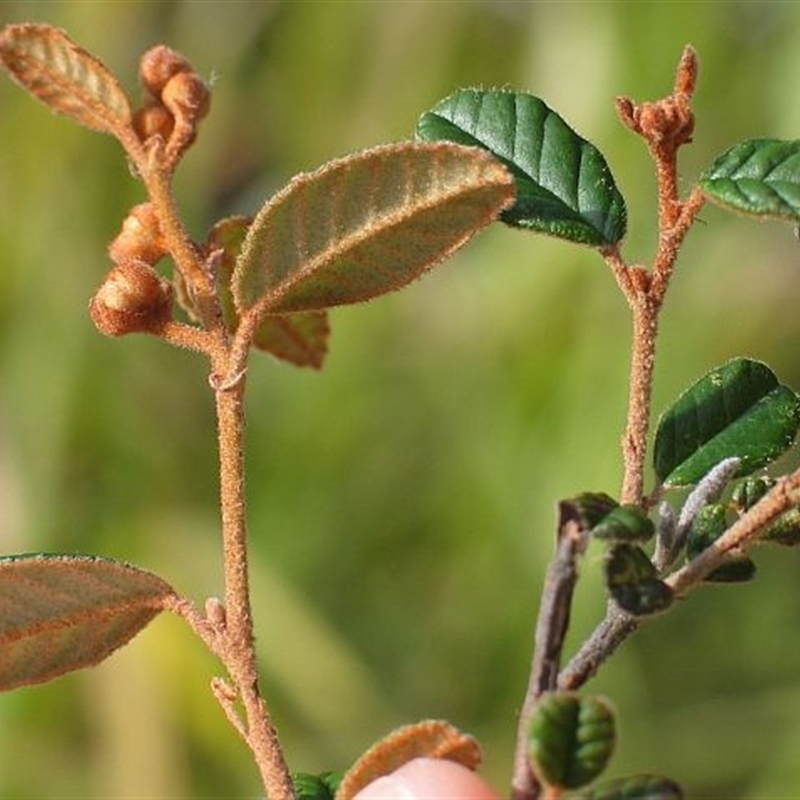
(748, 492)
(739, 410)
(786, 531)
(564, 185)
(315, 787)
(44, 61)
(760, 177)
(300, 339)
(708, 526)
(570, 739)
(635, 787)
(588, 509)
(60, 613)
(625, 523)
(366, 225)
(633, 581)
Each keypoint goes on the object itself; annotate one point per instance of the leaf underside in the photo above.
(759, 177)
(366, 225)
(564, 185)
(738, 410)
(301, 339)
(49, 65)
(61, 613)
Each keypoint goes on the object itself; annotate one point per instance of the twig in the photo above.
(551, 629)
(665, 125)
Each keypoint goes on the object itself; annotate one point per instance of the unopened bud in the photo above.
(158, 65)
(187, 97)
(140, 237)
(133, 299)
(153, 120)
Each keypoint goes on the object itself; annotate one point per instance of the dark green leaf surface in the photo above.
(564, 185)
(739, 410)
(748, 492)
(633, 581)
(625, 523)
(635, 787)
(60, 613)
(366, 225)
(315, 787)
(587, 509)
(760, 177)
(785, 531)
(570, 739)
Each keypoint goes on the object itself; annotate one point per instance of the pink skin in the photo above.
(429, 779)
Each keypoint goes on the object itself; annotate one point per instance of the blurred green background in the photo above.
(402, 501)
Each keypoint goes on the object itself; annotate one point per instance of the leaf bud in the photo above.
(187, 97)
(140, 238)
(158, 65)
(132, 299)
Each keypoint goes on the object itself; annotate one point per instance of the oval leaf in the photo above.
(300, 339)
(429, 739)
(633, 581)
(61, 613)
(49, 65)
(564, 185)
(760, 177)
(570, 739)
(636, 787)
(738, 410)
(366, 225)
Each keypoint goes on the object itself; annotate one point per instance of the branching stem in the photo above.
(665, 126)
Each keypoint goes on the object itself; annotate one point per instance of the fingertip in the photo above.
(429, 779)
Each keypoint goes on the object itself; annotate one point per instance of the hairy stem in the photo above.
(634, 440)
(239, 648)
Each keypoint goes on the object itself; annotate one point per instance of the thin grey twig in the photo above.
(551, 629)
(606, 638)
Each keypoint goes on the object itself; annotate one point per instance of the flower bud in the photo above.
(187, 97)
(133, 299)
(140, 237)
(153, 120)
(158, 65)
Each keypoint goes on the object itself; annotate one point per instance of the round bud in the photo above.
(132, 299)
(140, 237)
(187, 97)
(153, 120)
(158, 65)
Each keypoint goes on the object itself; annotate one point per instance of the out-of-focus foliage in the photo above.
(402, 501)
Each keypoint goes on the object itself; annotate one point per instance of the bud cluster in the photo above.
(178, 100)
(133, 297)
